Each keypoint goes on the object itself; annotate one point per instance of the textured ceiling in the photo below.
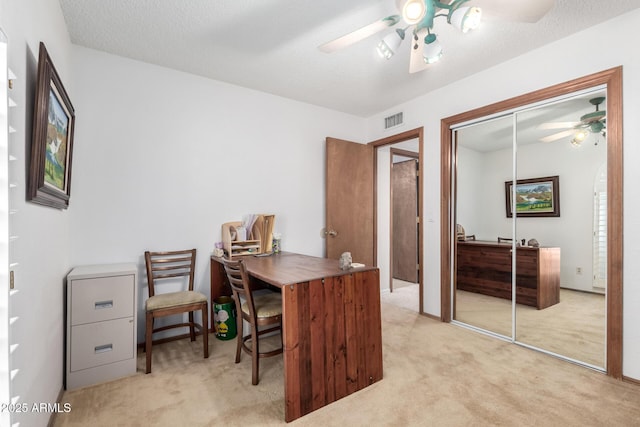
(271, 45)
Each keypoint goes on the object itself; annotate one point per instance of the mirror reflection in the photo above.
(558, 227)
(483, 265)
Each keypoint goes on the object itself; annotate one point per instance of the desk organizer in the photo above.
(259, 238)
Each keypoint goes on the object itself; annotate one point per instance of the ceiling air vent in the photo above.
(393, 121)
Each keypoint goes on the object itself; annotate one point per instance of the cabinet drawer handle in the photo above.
(103, 348)
(103, 304)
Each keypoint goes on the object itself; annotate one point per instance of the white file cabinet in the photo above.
(101, 323)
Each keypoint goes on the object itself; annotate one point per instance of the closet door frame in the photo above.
(612, 78)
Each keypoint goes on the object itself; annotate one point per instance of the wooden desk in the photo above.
(332, 333)
(485, 268)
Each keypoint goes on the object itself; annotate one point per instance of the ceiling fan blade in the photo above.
(516, 10)
(558, 125)
(558, 135)
(416, 61)
(360, 34)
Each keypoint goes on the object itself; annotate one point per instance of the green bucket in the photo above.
(224, 318)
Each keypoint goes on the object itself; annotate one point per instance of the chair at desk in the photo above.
(505, 239)
(461, 236)
(172, 265)
(261, 308)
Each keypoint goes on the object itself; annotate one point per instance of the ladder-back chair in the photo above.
(172, 265)
(257, 308)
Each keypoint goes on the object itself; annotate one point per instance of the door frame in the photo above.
(612, 78)
(416, 133)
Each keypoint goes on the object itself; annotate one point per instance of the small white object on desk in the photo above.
(356, 265)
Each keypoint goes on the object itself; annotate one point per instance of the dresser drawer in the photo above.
(102, 298)
(100, 343)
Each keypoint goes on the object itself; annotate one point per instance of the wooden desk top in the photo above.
(497, 244)
(286, 268)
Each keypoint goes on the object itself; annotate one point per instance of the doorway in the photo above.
(398, 219)
(611, 79)
(358, 215)
(405, 256)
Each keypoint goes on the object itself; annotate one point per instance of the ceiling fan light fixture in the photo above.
(412, 10)
(432, 49)
(579, 137)
(466, 18)
(389, 45)
(596, 127)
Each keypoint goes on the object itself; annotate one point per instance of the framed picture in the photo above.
(534, 197)
(52, 143)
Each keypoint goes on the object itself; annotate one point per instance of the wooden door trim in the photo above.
(394, 139)
(405, 153)
(613, 79)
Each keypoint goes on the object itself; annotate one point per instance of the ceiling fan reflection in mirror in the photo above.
(418, 17)
(590, 123)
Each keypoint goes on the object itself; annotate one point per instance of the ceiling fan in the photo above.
(418, 19)
(594, 122)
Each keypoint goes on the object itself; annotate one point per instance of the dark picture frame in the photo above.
(535, 197)
(52, 141)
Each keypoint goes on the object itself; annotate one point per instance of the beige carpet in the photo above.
(575, 327)
(435, 374)
(405, 295)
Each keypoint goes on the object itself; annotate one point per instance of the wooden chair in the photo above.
(461, 236)
(167, 265)
(504, 239)
(259, 309)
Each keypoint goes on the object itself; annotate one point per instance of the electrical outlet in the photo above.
(578, 270)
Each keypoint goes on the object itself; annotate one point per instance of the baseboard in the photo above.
(631, 380)
(432, 316)
(585, 291)
(54, 414)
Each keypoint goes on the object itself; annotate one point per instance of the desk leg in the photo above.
(332, 340)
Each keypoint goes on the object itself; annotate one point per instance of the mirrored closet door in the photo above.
(560, 207)
(484, 157)
(530, 212)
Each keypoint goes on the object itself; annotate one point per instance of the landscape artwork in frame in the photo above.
(51, 147)
(537, 197)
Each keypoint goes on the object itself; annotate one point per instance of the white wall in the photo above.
(470, 191)
(573, 57)
(42, 249)
(163, 158)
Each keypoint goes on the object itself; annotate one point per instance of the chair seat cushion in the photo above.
(267, 304)
(174, 299)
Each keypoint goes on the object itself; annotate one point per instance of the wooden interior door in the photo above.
(404, 205)
(349, 200)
